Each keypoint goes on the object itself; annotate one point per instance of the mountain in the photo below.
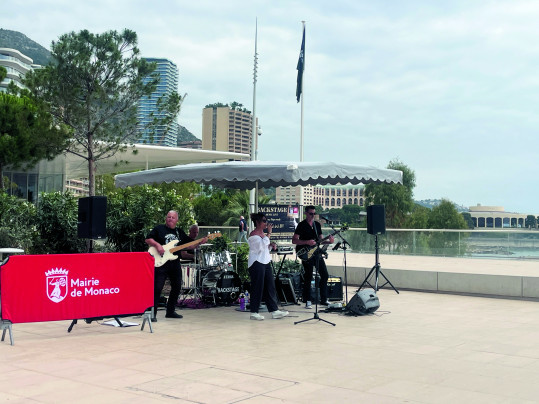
(20, 42)
(184, 135)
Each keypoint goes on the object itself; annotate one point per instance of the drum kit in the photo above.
(211, 277)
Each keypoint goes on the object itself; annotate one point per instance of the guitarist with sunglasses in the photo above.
(161, 235)
(309, 234)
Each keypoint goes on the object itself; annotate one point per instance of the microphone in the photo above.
(325, 218)
(337, 246)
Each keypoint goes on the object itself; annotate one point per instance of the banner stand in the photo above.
(5, 325)
(146, 317)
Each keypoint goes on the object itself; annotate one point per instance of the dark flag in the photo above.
(301, 66)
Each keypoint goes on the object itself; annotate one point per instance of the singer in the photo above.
(309, 233)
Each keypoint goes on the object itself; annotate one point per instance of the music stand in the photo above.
(317, 255)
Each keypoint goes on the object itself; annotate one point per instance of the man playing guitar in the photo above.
(309, 233)
(157, 238)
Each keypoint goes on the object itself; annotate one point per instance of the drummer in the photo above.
(189, 255)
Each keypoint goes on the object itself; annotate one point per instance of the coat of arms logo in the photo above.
(57, 284)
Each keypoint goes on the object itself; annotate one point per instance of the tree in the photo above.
(397, 198)
(419, 217)
(239, 204)
(468, 219)
(17, 223)
(132, 212)
(93, 87)
(531, 222)
(446, 216)
(210, 207)
(27, 133)
(348, 214)
(3, 73)
(56, 223)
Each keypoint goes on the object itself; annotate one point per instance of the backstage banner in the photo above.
(284, 219)
(75, 286)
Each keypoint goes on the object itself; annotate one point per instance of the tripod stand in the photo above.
(317, 255)
(377, 271)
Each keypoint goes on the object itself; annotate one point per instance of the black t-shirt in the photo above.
(306, 232)
(164, 235)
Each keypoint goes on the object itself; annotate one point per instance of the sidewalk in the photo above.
(417, 348)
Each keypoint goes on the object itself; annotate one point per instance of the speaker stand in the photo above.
(316, 285)
(377, 271)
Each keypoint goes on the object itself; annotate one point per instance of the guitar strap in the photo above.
(316, 232)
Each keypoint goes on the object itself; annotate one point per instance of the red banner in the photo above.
(76, 286)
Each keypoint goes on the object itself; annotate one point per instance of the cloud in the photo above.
(450, 88)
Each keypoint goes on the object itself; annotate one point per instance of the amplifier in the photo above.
(334, 290)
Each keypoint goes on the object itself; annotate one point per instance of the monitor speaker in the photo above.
(376, 219)
(363, 302)
(285, 290)
(92, 217)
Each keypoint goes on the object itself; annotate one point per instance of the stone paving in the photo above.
(417, 348)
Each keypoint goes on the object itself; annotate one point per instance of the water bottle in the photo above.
(242, 302)
(246, 298)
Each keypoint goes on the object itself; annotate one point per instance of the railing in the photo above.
(497, 244)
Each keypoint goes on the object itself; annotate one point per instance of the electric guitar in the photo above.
(308, 252)
(170, 249)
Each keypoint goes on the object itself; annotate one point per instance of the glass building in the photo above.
(147, 109)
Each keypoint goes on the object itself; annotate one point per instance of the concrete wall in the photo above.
(511, 286)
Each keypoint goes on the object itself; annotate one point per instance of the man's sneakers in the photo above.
(308, 304)
(326, 303)
(279, 314)
(256, 316)
(173, 315)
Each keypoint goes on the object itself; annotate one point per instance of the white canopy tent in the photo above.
(247, 174)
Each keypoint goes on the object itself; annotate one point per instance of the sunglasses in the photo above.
(311, 213)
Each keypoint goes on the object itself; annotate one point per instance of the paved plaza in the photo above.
(417, 348)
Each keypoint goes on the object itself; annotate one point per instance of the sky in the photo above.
(451, 89)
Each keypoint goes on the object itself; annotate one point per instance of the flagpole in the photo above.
(301, 199)
(253, 196)
(302, 97)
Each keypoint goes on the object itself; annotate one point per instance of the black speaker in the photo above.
(363, 302)
(92, 217)
(376, 219)
(285, 290)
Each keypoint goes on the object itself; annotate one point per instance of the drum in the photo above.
(210, 259)
(225, 258)
(223, 287)
(189, 276)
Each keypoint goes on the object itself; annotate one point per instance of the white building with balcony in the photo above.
(16, 64)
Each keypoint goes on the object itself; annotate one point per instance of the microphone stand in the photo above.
(317, 259)
(343, 245)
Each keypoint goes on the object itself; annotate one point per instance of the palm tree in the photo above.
(239, 206)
